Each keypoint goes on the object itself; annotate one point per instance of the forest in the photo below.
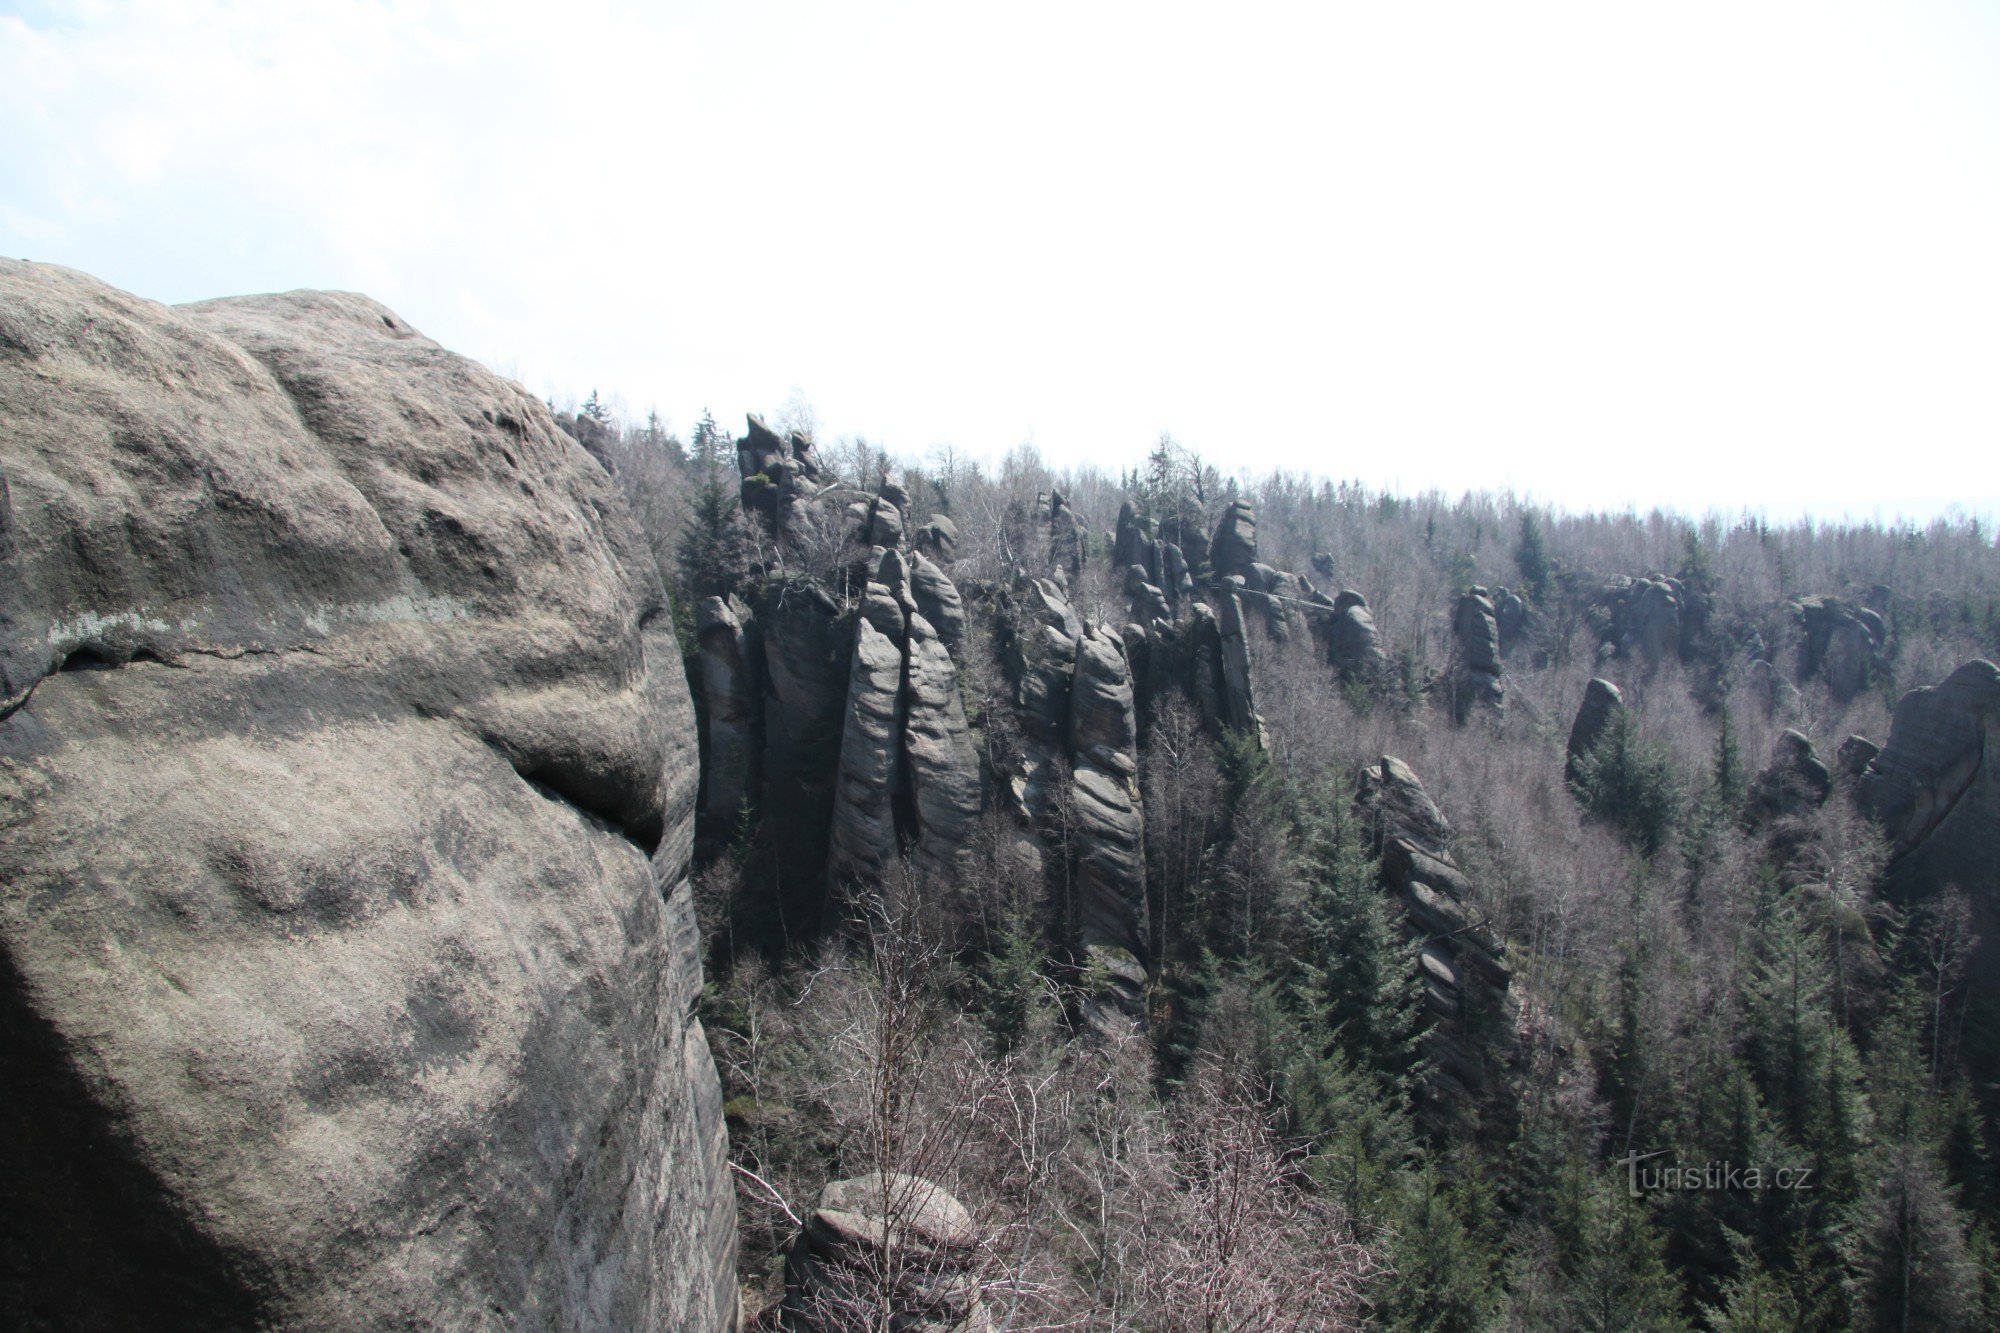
(1188, 900)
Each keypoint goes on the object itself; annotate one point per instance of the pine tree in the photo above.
(1531, 555)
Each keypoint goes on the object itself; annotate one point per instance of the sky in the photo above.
(1699, 256)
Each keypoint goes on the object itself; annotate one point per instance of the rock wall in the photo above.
(1933, 788)
(347, 772)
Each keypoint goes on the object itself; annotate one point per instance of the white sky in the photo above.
(1691, 254)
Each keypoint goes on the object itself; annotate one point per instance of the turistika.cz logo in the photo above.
(1708, 1176)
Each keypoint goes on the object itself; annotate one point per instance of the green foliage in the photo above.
(1531, 555)
(1631, 784)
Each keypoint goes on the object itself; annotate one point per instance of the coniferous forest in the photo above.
(1181, 900)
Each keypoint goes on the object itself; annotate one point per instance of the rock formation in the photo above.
(1066, 540)
(1352, 643)
(1111, 861)
(1842, 644)
(1642, 617)
(1475, 669)
(1855, 754)
(1233, 549)
(1462, 961)
(884, 1235)
(1603, 705)
(347, 773)
(729, 724)
(1933, 788)
(1795, 782)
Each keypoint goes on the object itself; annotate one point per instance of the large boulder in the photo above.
(1475, 667)
(1933, 788)
(1602, 708)
(1642, 617)
(1233, 548)
(347, 773)
(1842, 644)
(1795, 782)
(885, 1250)
(1352, 642)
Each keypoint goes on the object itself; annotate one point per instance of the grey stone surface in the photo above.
(345, 943)
(729, 699)
(1601, 708)
(1933, 788)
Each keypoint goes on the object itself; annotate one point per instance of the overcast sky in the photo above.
(1692, 254)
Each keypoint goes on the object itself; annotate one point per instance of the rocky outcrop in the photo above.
(1233, 548)
(1066, 540)
(1933, 789)
(864, 820)
(938, 600)
(1602, 707)
(1238, 695)
(1795, 782)
(728, 715)
(347, 773)
(1103, 744)
(1463, 962)
(1842, 644)
(1642, 618)
(1475, 666)
(776, 471)
(1352, 643)
(879, 1240)
(1855, 754)
(945, 786)
(807, 649)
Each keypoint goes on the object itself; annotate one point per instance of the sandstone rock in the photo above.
(1641, 617)
(1233, 548)
(1794, 782)
(937, 745)
(1323, 562)
(938, 600)
(1066, 533)
(1352, 643)
(1103, 739)
(730, 696)
(885, 1230)
(1475, 675)
(938, 539)
(1410, 834)
(1185, 527)
(1603, 705)
(1855, 754)
(864, 823)
(1842, 644)
(347, 945)
(807, 652)
(1933, 788)
(1238, 696)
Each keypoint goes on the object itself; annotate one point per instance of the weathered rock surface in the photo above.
(1103, 740)
(864, 820)
(1233, 548)
(1603, 705)
(807, 650)
(938, 599)
(1795, 782)
(937, 745)
(1842, 644)
(1066, 536)
(1352, 643)
(1463, 963)
(729, 699)
(1933, 788)
(884, 1235)
(1475, 671)
(346, 950)
(1855, 754)
(1641, 617)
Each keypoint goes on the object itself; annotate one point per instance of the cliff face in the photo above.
(347, 769)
